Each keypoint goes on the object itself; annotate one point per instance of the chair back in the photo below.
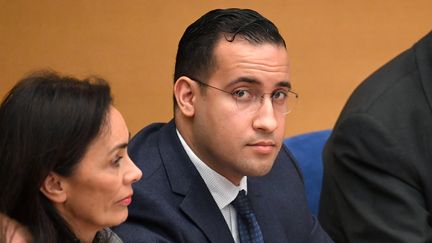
(307, 150)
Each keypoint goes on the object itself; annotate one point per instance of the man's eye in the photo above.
(279, 95)
(243, 94)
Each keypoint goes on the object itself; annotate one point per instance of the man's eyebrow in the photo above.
(250, 80)
(244, 80)
(286, 84)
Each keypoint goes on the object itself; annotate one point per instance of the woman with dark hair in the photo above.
(65, 173)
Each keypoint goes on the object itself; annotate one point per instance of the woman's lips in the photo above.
(126, 201)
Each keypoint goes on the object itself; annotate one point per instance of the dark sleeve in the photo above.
(371, 189)
(317, 234)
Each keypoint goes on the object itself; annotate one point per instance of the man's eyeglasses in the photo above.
(251, 100)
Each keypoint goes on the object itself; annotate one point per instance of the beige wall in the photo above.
(333, 45)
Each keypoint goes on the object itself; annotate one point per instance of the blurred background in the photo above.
(333, 45)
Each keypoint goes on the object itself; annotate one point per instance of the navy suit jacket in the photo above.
(173, 204)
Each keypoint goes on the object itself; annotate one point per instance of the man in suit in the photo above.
(378, 161)
(232, 92)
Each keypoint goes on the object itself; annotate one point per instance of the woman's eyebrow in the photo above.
(121, 145)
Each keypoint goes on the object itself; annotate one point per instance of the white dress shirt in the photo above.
(222, 190)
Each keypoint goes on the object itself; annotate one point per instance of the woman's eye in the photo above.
(116, 161)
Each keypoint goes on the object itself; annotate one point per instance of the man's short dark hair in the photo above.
(195, 50)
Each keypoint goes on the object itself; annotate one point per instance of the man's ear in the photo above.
(53, 188)
(185, 91)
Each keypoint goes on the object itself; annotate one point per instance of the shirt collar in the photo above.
(222, 190)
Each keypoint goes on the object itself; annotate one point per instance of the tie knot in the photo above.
(241, 203)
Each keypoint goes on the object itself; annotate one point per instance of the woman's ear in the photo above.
(53, 188)
(185, 94)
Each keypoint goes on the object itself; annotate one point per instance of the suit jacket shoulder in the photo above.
(377, 160)
(172, 203)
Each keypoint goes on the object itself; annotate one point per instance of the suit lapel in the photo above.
(265, 212)
(423, 52)
(198, 204)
